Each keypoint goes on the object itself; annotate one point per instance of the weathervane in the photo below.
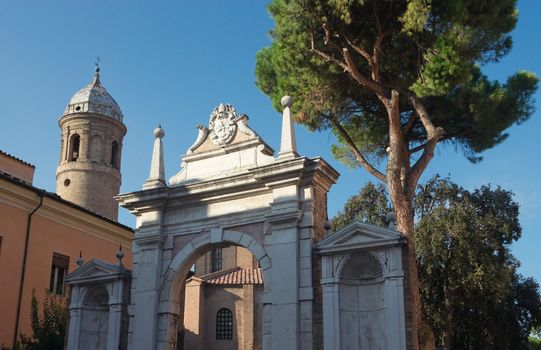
(97, 63)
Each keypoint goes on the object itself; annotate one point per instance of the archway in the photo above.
(95, 318)
(235, 299)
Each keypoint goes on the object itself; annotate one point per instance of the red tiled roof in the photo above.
(54, 196)
(236, 275)
(16, 159)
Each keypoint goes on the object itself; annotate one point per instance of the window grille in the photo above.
(216, 257)
(224, 324)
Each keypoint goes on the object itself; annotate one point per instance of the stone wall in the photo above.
(320, 217)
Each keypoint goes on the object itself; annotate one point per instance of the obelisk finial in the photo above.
(288, 145)
(156, 178)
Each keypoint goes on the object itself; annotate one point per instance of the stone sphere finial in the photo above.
(390, 217)
(286, 101)
(158, 132)
(80, 260)
(327, 225)
(120, 255)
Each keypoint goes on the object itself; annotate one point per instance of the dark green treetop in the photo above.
(340, 58)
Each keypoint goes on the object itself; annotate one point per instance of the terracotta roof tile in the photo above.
(234, 276)
(16, 159)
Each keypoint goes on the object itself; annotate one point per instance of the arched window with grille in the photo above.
(224, 324)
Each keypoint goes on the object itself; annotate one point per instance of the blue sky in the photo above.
(173, 62)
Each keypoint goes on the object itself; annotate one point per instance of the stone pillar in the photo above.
(283, 246)
(115, 315)
(146, 291)
(331, 314)
(248, 326)
(76, 313)
(84, 144)
(394, 301)
(193, 324)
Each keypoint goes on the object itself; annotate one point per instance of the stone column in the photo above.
(394, 302)
(146, 287)
(283, 246)
(115, 315)
(84, 144)
(331, 313)
(76, 313)
(248, 326)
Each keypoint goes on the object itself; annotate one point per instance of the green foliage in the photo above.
(469, 284)
(370, 205)
(535, 343)
(432, 49)
(49, 328)
(470, 287)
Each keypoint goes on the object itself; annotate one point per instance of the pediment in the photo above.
(227, 146)
(96, 270)
(359, 236)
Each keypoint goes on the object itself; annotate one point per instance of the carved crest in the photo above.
(222, 124)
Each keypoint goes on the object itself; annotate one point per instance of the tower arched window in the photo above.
(114, 155)
(224, 324)
(74, 144)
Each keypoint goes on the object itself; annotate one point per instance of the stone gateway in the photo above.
(319, 290)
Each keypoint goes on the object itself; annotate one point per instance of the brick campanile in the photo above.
(91, 146)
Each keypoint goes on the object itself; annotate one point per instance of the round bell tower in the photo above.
(91, 148)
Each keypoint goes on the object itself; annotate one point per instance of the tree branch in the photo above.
(407, 127)
(358, 155)
(361, 79)
(359, 50)
(326, 56)
(419, 107)
(434, 134)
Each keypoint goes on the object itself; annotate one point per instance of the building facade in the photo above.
(268, 273)
(42, 234)
(223, 302)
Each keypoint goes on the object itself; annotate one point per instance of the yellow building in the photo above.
(41, 237)
(42, 234)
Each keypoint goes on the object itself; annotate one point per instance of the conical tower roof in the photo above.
(93, 98)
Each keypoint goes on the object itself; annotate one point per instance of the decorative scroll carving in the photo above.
(201, 137)
(242, 123)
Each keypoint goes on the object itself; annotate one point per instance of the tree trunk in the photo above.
(404, 215)
(401, 183)
(447, 321)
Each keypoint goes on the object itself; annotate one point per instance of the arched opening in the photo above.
(222, 301)
(362, 302)
(95, 319)
(220, 309)
(114, 155)
(74, 144)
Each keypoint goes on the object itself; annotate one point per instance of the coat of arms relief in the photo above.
(223, 125)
